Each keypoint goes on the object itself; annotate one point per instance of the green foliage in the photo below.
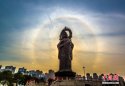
(6, 77)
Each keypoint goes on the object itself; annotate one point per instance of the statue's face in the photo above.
(64, 35)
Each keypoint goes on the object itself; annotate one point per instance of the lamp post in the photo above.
(84, 70)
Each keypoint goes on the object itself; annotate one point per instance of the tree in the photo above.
(18, 77)
(6, 77)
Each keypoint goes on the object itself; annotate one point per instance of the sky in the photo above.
(29, 34)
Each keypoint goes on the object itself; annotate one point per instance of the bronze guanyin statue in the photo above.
(65, 47)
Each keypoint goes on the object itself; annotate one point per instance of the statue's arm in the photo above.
(61, 45)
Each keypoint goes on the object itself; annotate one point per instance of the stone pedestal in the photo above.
(64, 74)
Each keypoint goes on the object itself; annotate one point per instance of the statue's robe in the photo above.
(65, 48)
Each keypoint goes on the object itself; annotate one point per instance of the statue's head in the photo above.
(63, 34)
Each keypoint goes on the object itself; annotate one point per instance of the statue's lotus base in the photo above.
(69, 74)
